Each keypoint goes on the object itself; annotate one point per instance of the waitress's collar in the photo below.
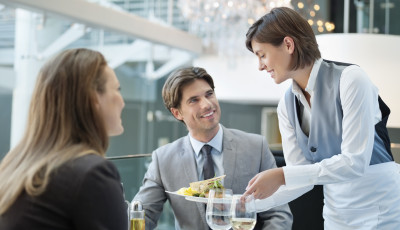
(311, 80)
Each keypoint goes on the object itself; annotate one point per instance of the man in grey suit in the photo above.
(189, 95)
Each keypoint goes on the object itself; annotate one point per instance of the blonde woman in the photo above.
(57, 177)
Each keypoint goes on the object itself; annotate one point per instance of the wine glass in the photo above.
(218, 212)
(243, 213)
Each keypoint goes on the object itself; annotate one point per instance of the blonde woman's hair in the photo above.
(63, 124)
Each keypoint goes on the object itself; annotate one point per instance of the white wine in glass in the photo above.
(218, 213)
(243, 223)
(137, 224)
(243, 212)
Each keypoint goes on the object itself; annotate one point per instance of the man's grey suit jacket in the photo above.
(173, 166)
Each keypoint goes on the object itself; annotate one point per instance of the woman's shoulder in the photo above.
(81, 187)
(87, 165)
(354, 77)
(87, 161)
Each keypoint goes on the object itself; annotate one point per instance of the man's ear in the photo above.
(176, 113)
(289, 44)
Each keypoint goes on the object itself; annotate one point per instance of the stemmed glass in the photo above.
(218, 212)
(243, 213)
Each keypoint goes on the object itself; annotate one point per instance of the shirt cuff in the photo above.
(265, 204)
(300, 175)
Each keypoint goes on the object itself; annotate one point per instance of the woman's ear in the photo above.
(289, 44)
(96, 100)
(176, 113)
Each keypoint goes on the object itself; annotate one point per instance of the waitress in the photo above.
(333, 127)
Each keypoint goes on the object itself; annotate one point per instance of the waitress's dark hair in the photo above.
(284, 22)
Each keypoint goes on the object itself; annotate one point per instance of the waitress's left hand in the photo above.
(265, 183)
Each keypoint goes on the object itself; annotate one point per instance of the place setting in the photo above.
(224, 210)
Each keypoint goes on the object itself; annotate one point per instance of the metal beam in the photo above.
(131, 50)
(178, 59)
(75, 32)
(346, 16)
(98, 16)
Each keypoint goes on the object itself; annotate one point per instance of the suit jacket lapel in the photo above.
(188, 160)
(229, 155)
(190, 166)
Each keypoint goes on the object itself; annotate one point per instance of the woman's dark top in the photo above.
(85, 193)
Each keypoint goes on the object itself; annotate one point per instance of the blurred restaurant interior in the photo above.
(145, 40)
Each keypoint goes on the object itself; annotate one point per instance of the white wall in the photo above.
(239, 80)
(377, 54)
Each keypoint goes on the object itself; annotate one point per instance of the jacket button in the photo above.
(313, 149)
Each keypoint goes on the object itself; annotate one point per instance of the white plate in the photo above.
(205, 200)
(195, 198)
(191, 198)
(261, 205)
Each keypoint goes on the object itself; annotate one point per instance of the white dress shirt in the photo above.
(359, 98)
(216, 153)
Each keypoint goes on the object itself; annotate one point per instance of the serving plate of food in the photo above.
(198, 191)
(190, 198)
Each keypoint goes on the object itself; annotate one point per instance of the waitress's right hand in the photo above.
(265, 183)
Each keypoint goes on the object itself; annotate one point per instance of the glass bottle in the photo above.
(136, 216)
